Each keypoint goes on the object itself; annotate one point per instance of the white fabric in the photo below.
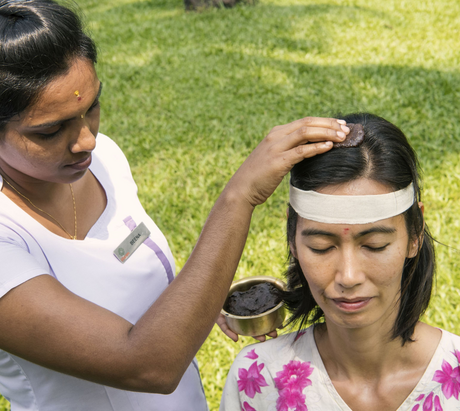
(292, 364)
(350, 209)
(89, 269)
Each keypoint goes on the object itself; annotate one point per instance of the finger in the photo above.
(273, 334)
(224, 327)
(230, 334)
(304, 151)
(305, 135)
(260, 338)
(322, 122)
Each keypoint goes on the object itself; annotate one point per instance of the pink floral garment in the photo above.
(287, 374)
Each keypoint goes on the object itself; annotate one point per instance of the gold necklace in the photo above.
(72, 237)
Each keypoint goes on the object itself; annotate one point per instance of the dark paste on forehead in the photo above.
(354, 138)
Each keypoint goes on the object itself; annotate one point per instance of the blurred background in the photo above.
(188, 94)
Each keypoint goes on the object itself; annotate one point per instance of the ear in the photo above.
(416, 245)
(422, 209)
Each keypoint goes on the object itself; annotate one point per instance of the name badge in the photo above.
(132, 242)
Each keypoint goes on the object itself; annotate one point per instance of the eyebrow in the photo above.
(58, 122)
(378, 229)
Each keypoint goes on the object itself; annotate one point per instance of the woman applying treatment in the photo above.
(361, 271)
(92, 316)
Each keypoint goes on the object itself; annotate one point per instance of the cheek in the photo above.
(388, 275)
(318, 275)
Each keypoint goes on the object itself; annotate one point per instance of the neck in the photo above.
(365, 352)
(38, 191)
(49, 193)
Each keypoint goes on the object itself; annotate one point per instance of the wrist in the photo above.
(234, 199)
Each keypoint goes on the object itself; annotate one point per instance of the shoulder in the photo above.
(108, 149)
(450, 342)
(109, 159)
(276, 352)
(22, 258)
(261, 371)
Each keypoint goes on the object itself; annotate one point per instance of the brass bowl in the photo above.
(259, 324)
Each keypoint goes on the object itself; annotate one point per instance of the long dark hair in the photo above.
(385, 156)
(38, 41)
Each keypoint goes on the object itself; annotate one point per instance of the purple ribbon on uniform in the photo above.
(131, 224)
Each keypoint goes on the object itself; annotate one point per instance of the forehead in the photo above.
(390, 226)
(59, 98)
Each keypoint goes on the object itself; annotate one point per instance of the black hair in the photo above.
(38, 41)
(385, 156)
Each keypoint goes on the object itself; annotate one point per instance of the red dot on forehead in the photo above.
(345, 230)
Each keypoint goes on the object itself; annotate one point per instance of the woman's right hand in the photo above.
(279, 151)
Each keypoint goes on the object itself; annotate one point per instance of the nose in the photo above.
(349, 273)
(85, 140)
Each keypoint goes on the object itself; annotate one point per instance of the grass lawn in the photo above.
(188, 95)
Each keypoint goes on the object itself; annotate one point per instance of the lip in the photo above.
(82, 164)
(351, 304)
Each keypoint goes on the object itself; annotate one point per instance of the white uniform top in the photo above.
(89, 269)
(287, 374)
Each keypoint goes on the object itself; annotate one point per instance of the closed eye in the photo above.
(376, 249)
(321, 250)
(49, 136)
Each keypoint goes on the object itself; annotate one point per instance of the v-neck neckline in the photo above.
(93, 168)
(408, 401)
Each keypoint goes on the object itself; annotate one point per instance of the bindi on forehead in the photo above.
(346, 231)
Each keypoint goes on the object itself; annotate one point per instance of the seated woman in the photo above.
(361, 271)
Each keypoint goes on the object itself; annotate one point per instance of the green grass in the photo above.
(188, 95)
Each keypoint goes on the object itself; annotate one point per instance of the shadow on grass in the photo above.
(223, 78)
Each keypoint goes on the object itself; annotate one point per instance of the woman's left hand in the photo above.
(234, 336)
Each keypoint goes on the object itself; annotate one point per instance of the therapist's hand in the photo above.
(279, 151)
(234, 336)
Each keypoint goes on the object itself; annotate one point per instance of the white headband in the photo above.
(350, 209)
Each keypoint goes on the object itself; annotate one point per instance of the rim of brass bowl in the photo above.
(241, 323)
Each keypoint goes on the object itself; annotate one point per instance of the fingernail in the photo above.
(341, 122)
(341, 134)
(327, 144)
(345, 128)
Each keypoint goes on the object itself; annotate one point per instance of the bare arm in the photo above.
(54, 328)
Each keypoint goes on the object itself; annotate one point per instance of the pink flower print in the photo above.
(293, 399)
(247, 407)
(420, 397)
(428, 404)
(290, 383)
(252, 355)
(437, 404)
(416, 407)
(299, 334)
(294, 376)
(251, 380)
(457, 355)
(449, 378)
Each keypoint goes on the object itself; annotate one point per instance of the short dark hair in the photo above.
(38, 41)
(384, 156)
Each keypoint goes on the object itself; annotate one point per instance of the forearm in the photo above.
(180, 320)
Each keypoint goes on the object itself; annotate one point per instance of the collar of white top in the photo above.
(350, 209)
